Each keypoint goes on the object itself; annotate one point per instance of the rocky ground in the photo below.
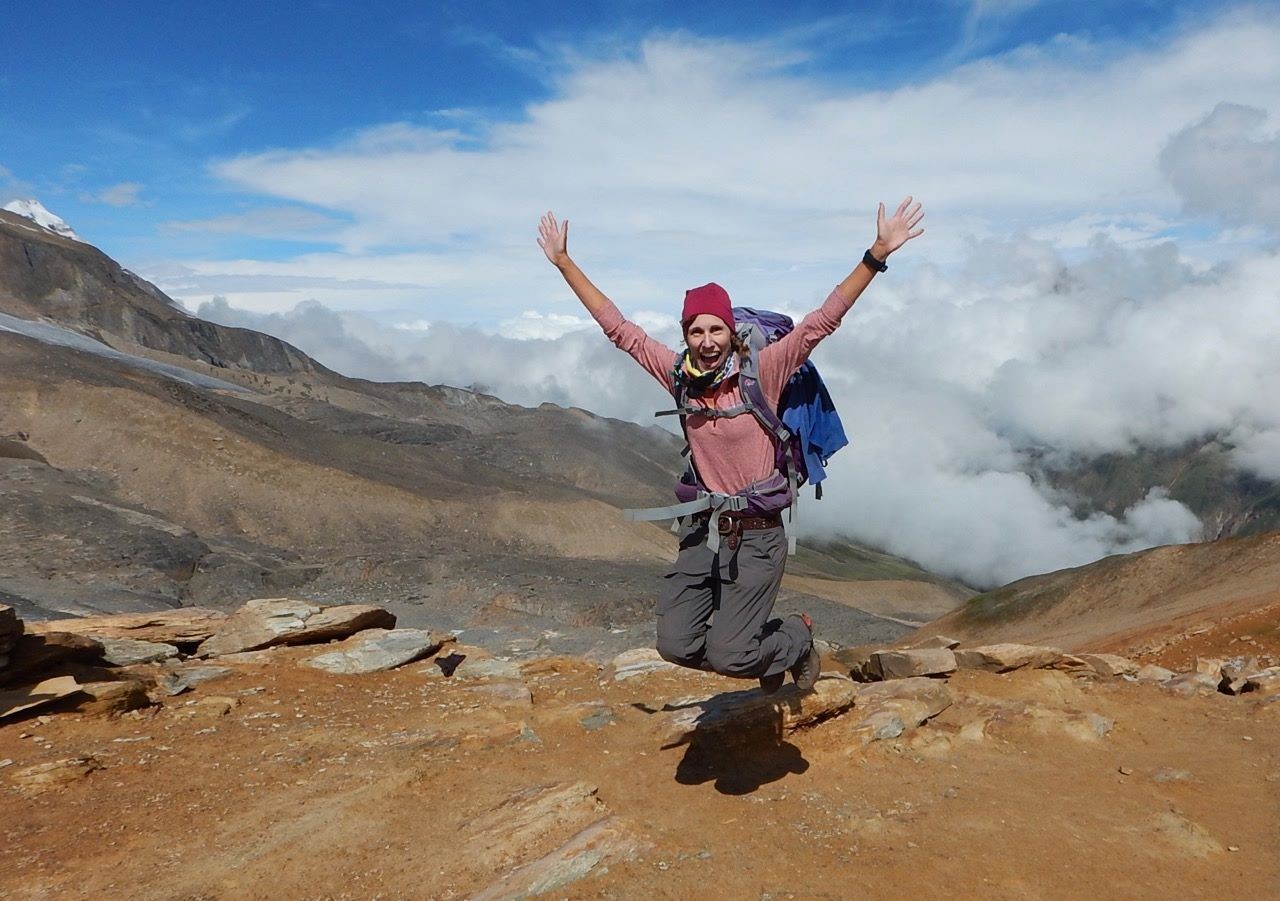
(468, 774)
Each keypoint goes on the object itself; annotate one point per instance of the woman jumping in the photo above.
(732, 455)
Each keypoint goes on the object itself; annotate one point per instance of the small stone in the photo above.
(1126, 771)
(1233, 847)
(177, 681)
(951, 792)
(597, 719)
(1152, 673)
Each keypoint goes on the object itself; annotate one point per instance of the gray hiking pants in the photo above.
(713, 611)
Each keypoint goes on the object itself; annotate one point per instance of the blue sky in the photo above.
(1101, 182)
(114, 119)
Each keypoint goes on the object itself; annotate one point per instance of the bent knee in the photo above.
(687, 651)
(742, 662)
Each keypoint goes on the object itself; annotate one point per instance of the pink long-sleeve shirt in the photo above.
(734, 452)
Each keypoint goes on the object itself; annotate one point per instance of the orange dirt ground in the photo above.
(317, 786)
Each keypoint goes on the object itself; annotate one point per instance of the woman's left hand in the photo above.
(898, 229)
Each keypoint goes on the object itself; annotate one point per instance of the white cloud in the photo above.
(698, 159)
(124, 193)
(1225, 165)
(268, 222)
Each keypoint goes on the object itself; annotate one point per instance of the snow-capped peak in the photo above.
(34, 210)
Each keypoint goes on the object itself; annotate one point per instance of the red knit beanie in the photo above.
(710, 298)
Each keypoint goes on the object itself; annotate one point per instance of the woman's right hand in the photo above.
(553, 238)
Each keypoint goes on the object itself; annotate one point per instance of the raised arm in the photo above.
(553, 238)
(654, 356)
(891, 234)
(779, 360)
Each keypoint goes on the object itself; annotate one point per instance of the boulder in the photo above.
(36, 655)
(18, 700)
(1003, 658)
(1110, 666)
(180, 626)
(266, 622)
(638, 662)
(908, 663)
(375, 650)
(746, 714)
(129, 651)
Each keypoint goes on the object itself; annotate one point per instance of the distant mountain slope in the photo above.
(449, 506)
(1200, 474)
(1124, 597)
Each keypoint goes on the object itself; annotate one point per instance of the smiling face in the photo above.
(709, 340)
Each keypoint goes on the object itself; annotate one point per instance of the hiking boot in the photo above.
(770, 684)
(807, 669)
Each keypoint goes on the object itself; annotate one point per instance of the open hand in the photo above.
(553, 238)
(898, 229)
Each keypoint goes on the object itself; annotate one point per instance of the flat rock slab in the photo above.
(908, 663)
(599, 845)
(377, 650)
(490, 668)
(266, 622)
(107, 698)
(885, 710)
(18, 700)
(747, 713)
(176, 682)
(1004, 658)
(1267, 680)
(524, 840)
(182, 625)
(1154, 674)
(35, 656)
(638, 662)
(932, 693)
(42, 777)
(1110, 666)
(129, 651)
(1191, 684)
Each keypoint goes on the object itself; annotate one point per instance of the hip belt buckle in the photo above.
(730, 529)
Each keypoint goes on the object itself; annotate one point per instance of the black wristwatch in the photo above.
(872, 263)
